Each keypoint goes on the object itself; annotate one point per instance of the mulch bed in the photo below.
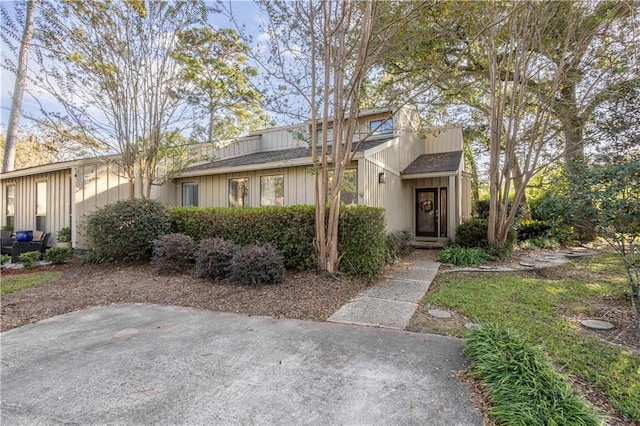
(303, 295)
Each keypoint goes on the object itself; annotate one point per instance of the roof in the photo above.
(264, 157)
(434, 163)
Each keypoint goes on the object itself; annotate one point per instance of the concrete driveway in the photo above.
(145, 364)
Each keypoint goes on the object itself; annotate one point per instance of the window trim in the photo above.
(46, 201)
(197, 193)
(6, 204)
(283, 189)
(382, 130)
(248, 199)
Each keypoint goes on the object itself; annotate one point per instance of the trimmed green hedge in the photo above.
(361, 241)
(291, 231)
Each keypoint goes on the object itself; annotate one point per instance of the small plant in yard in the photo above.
(213, 257)
(256, 264)
(523, 386)
(29, 258)
(64, 235)
(461, 256)
(4, 258)
(397, 245)
(172, 253)
(57, 255)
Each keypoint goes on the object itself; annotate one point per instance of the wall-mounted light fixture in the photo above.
(382, 178)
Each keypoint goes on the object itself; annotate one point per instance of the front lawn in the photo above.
(12, 283)
(545, 307)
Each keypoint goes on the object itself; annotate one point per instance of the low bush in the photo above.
(290, 229)
(362, 241)
(29, 258)
(461, 256)
(213, 258)
(532, 228)
(57, 255)
(473, 233)
(256, 264)
(397, 245)
(126, 229)
(541, 243)
(172, 254)
(523, 386)
(4, 258)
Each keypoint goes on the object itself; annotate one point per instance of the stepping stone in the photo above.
(597, 324)
(529, 264)
(485, 267)
(437, 313)
(470, 325)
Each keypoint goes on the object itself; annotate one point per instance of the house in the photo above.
(419, 179)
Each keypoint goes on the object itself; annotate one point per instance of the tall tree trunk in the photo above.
(18, 91)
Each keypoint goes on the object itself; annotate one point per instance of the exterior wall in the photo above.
(58, 201)
(391, 195)
(444, 139)
(97, 184)
(466, 211)
(213, 190)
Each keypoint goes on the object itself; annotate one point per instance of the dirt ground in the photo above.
(303, 295)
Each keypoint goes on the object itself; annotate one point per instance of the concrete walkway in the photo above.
(392, 302)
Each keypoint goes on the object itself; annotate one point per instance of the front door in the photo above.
(431, 212)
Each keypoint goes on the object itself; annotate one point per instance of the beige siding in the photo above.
(443, 140)
(58, 201)
(466, 197)
(213, 190)
(391, 195)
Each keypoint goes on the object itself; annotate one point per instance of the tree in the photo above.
(319, 54)
(20, 83)
(215, 63)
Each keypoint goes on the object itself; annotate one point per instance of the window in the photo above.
(272, 190)
(349, 187)
(190, 194)
(239, 192)
(381, 127)
(41, 206)
(10, 204)
(329, 135)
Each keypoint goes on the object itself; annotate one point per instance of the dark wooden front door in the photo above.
(427, 212)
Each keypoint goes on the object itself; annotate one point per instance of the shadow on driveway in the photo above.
(140, 363)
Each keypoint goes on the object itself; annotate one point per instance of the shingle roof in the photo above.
(434, 163)
(264, 157)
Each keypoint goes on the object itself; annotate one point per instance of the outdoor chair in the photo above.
(17, 247)
(6, 241)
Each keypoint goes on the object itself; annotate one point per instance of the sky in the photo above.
(246, 13)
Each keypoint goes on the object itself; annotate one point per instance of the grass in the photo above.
(538, 306)
(12, 283)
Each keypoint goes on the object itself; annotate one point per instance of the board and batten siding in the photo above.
(213, 190)
(391, 195)
(58, 201)
(444, 139)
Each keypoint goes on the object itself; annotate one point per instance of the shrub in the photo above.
(474, 234)
(57, 255)
(397, 245)
(461, 256)
(127, 229)
(172, 253)
(213, 258)
(541, 242)
(4, 258)
(290, 229)
(256, 264)
(64, 235)
(362, 241)
(523, 386)
(29, 258)
(532, 228)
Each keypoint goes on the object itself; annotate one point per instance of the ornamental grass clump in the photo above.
(461, 256)
(524, 388)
